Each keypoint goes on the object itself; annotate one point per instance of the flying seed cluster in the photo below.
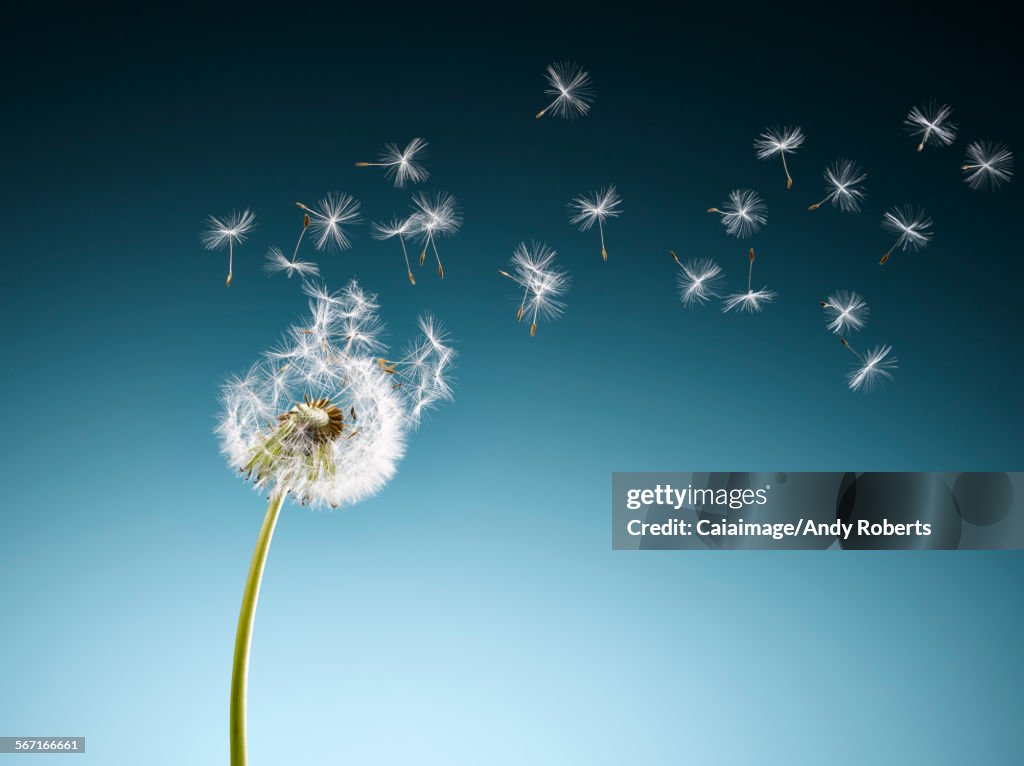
(541, 284)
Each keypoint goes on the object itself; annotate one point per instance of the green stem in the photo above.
(243, 638)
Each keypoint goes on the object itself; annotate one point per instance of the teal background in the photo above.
(474, 612)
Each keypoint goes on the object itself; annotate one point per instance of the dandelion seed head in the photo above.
(931, 123)
(588, 209)
(912, 226)
(572, 89)
(751, 301)
(277, 262)
(330, 217)
(403, 165)
(874, 370)
(777, 141)
(846, 312)
(396, 227)
(318, 416)
(230, 229)
(435, 215)
(698, 281)
(744, 214)
(543, 284)
(987, 165)
(843, 179)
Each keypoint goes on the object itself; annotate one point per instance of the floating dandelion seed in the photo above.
(277, 261)
(434, 216)
(912, 227)
(401, 164)
(744, 214)
(423, 369)
(229, 230)
(588, 209)
(932, 124)
(327, 427)
(572, 89)
(327, 221)
(872, 369)
(779, 142)
(842, 184)
(752, 299)
(397, 227)
(698, 280)
(846, 311)
(988, 165)
(544, 284)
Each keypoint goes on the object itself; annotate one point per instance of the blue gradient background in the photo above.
(473, 612)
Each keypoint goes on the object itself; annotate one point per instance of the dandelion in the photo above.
(872, 369)
(912, 227)
(277, 261)
(752, 299)
(434, 216)
(932, 124)
(744, 214)
(319, 419)
(843, 179)
(988, 165)
(229, 230)
(572, 89)
(401, 164)
(698, 280)
(327, 221)
(779, 142)
(846, 311)
(594, 208)
(397, 227)
(544, 284)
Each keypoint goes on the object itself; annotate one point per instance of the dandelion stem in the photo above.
(789, 180)
(231, 263)
(295, 253)
(243, 638)
(440, 268)
(405, 252)
(600, 228)
(816, 205)
(846, 343)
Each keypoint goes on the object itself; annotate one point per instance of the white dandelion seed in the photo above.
(544, 284)
(931, 123)
(596, 207)
(277, 262)
(778, 142)
(396, 227)
(744, 214)
(988, 165)
(843, 179)
(228, 230)
(328, 428)
(698, 280)
(752, 300)
(572, 89)
(435, 215)
(423, 371)
(872, 369)
(846, 312)
(327, 221)
(402, 165)
(912, 226)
